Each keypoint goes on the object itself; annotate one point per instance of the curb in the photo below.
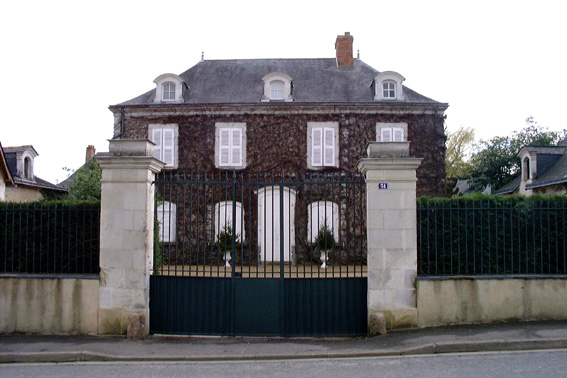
(425, 349)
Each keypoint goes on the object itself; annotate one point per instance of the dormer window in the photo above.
(168, 93)
(28, 168)
(277, 87)
(388, 86)
(169, 88)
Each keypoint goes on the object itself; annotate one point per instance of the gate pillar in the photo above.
(126, 235)
(392, 235)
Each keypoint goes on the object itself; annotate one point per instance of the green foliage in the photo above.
(226, 238)
(50, 237)
(459, 147)
(496, 162)
(492, 235)
(86, 186)
(325, 239)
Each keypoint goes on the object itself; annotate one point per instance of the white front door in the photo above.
(269, 219)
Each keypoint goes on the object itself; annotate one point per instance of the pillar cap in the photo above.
(388, 149)
(131, 147)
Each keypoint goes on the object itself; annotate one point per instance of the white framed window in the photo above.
(169, 88)
(230, 145)
(323, 144)
(277, 87)
(389, 89)
(167, 222)
(165, 138)
(323, 213)
(391, 132)
(388, 86)
(168, 92)
(223, 218)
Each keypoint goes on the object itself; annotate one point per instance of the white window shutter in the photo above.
(386, 135)
(398, 134)
(168, 147)
(224, 147)
(156, 138)
(317, 147)
(329, 146)
(236, 152)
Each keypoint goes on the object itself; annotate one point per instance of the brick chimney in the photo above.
(90, 153)
(343, 47)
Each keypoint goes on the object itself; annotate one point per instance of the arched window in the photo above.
(277, 87)
(168, 92)
(277, 90)
(166, 216)
(526, 169)
(389, 89)
(223, 218)
(28, 168)
(323, 213)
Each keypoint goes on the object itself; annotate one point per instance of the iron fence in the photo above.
(492, 236)
(260, 225)
(49, 237)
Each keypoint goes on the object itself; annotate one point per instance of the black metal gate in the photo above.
(259, 255)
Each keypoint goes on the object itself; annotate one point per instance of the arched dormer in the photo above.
(169, 88)
(388, 87)
(277, 87)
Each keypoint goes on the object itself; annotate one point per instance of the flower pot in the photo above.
(227, 259)
(324, 257)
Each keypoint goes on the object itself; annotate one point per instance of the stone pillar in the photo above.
(392, 235)
(126, 235)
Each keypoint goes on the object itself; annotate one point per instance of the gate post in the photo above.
(126, 236)
(391, 234)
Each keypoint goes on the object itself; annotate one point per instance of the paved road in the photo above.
(551, 363)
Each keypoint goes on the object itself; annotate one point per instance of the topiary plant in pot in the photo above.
(324, 243)
(224, 243)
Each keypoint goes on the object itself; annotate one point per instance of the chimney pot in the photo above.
(90, 153)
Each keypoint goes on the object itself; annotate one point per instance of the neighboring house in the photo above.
(290, 115)
(26, 186)
(543, 171)
(90, 153)
(5, 175)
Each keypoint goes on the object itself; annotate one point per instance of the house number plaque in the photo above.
(383, 185)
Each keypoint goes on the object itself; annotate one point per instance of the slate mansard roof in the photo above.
(313, 81)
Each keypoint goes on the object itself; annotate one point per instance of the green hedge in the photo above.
(49, 237)
(492, 235)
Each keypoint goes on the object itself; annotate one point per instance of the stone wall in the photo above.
(444, 302)
(48, 305)
(278, 139)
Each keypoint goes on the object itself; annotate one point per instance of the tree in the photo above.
(496, 163)
(86, 186)
(459, 148)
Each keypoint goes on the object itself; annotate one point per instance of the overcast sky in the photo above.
(64, 62)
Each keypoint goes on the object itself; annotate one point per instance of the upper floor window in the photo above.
(165, 138)
(223, 219)
(391, 132)
(230, 145)
(169, 88)
(322, 144)
(277, 87)
(388, 86)
(28, 168)
(168, 93)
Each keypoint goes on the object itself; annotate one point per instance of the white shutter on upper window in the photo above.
(386, 135)
(329, 148)
(156, 138)
(317, 147)
(168, 151)
(236, 147)
(224, 147)
(398, 134)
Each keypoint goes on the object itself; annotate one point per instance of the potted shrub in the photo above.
(224, 243)
(324, 243)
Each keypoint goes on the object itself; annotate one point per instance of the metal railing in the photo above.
(49, 237)
(260, 225)
(492, 236)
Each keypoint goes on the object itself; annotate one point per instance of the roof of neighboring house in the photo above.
(69, 180)
(4, 167)
(510, 187)
(556, 174)
(314, 81)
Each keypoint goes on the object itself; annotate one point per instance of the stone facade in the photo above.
(276, 136)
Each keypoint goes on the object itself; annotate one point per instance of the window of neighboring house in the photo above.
(277, 90)
(391, 132)
(165, 139)
(526, 168)
(323, 213)
(223, 218)
(28, 168)
(167, 217)
(389, 90)
(168, 91)
(322, 144)
(230, 149)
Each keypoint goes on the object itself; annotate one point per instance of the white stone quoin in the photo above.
(126, 235)
(392, 234)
